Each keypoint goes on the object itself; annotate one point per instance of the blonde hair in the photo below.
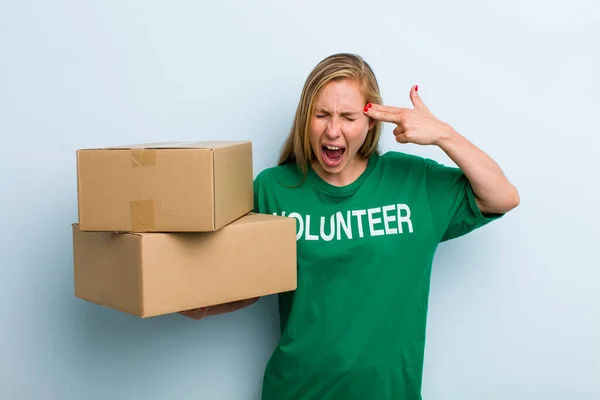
(297, 148)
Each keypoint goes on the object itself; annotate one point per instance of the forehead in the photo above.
(340, 93)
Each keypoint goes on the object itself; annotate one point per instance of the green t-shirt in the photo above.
(355, 326)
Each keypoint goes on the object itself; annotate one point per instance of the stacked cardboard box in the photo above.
(169, 227)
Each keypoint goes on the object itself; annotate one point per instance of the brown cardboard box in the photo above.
(149, 274)
(164, 187)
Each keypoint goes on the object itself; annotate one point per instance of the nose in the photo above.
(333, 129)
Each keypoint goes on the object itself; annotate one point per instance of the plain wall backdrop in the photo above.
(514, 307)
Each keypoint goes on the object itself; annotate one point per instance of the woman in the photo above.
(368, 226)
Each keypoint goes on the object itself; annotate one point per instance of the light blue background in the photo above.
(514, 306)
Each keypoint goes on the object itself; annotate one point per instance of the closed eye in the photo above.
(347, 116)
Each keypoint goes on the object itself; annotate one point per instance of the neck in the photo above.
(349, 174)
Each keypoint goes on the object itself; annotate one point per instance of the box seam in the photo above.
(77, 162)
(140, 277)
(214, 189)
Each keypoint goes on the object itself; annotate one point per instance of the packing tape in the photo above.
(143, 157)
(141, 215)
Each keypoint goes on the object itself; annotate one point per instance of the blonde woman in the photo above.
(368, 225)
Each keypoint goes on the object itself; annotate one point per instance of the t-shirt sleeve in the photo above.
(452, 202)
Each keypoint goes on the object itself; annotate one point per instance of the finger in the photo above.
(415, 98)
(195, 313)
(402, 138)
(387, 109)
(399, 130)
(381, 113)
(189, 315)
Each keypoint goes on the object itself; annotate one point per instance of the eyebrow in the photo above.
(343, 114)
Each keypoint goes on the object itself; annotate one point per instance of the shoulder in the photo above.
(282, 175)
(397, 160)
(273, 185)
(409, 167)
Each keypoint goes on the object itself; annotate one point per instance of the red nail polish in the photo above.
(366, 109)
(369, 105)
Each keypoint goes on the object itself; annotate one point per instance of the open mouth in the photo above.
(332, 155)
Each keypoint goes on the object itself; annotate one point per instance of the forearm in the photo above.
(493, 191)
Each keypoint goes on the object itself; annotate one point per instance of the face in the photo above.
(338, 130)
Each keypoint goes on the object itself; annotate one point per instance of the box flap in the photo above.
(209, 145)
(137, 234)
(254, 218)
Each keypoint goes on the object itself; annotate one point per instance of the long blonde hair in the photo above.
(297, 148)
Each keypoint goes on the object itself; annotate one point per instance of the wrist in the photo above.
(447, 135)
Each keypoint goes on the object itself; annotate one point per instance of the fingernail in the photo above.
(417, 88)
(369, 105)
(366, 109)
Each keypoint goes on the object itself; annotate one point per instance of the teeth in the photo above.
(332, 147)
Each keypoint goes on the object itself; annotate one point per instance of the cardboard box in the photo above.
(149, 274)
(164, 187)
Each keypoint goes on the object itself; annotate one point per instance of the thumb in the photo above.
(415, 98)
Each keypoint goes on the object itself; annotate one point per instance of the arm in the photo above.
(494, 193)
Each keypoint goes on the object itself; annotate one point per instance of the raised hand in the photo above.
(417, 125)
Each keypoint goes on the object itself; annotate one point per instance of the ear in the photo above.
(371, 123)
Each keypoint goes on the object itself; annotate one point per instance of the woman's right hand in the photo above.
(202, 312)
